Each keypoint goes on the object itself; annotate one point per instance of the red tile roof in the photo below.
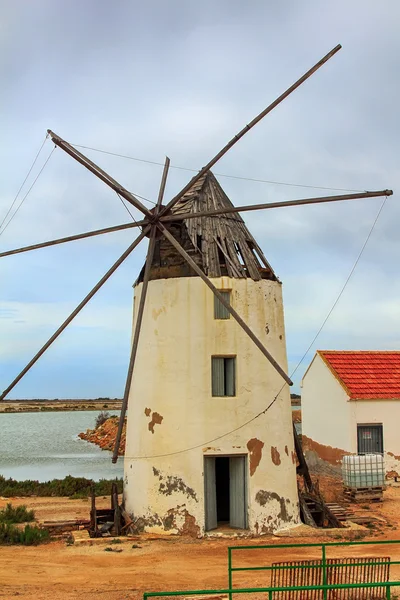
(366, 375)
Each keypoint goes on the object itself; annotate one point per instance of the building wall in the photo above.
(330, 419)
(171, 409)
(326, 413)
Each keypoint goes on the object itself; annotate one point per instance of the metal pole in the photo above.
(96, 170)
(230, 572)
(232, 311)
(247, 128)
(135, 343)
(72, 238)
(76, 311)
(324, 579)
(235, 209)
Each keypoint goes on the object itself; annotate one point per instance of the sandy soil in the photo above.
(56, 571)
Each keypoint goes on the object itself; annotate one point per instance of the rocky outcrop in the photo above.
(105, 435)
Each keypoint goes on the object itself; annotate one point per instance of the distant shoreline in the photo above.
(44, 405)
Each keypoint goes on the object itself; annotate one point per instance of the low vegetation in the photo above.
(18, 514)
(71, 487)
(31, 535)
(10, 533)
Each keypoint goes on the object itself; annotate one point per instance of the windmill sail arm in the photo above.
(72, 238)
(146, 278)
(76, 311)
(235, 209)
(247, 128)
(135, 342)
(96, 170)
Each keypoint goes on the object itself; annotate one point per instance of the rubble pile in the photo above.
(105, 435)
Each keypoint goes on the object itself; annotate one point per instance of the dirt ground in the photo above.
(57, 571)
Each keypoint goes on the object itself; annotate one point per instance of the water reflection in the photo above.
(45, 445)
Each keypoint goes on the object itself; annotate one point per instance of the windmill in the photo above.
(209, 433)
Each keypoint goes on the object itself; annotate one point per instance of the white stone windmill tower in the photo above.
(209, 434)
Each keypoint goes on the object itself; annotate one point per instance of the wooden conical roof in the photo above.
(219, 244)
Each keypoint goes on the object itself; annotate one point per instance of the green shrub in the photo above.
(19, 514)
(78, 487)
(31, 535)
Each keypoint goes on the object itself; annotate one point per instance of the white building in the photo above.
(191, 461)
(351, 404)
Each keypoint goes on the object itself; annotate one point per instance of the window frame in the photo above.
(380, 437)
(217, 384)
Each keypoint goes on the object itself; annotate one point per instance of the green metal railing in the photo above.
(270, 590)
(324, 565)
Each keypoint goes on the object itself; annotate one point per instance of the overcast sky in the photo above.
(152, 78)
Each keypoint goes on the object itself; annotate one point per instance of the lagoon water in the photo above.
(45, 445)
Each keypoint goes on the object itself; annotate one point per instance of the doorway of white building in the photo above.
(225, 484)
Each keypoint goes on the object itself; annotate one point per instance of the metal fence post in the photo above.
(324, 577)
(230, 572)
(388, 592)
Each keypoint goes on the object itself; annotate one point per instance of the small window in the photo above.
(220, 311)
(370, 439)
(223, 376)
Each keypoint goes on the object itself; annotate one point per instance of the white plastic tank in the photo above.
(361, 471)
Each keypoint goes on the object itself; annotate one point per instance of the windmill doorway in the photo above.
(225, 492)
